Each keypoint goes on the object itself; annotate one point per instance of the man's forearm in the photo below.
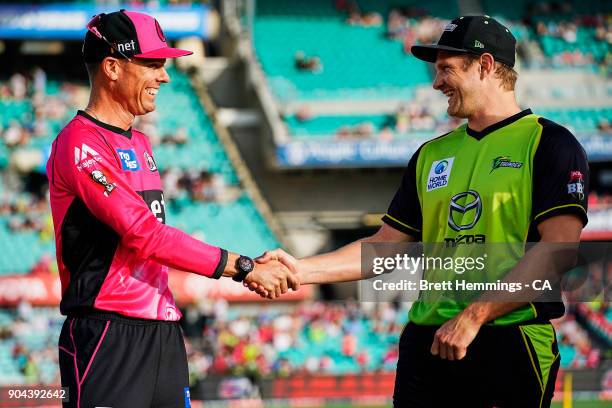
(344, 264)
(341, 265)
(484, 312)
(545, 261)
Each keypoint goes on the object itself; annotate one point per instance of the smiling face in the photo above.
(459, 83)
(139, 82)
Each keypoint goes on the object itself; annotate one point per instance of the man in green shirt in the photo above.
(507, 176)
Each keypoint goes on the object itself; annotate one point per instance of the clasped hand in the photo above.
(274, 274)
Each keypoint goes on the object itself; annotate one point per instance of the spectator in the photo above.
(305, 63)
(18, 86)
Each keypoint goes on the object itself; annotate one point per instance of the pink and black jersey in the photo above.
(113, 247)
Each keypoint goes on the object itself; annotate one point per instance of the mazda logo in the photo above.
(471, 202)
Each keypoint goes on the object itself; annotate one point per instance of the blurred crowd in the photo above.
(355, 16)
(410, 28)
(268, 343)
(273, 341)
(186, 186)
(410, 117)
(582, 353)
(30, 339)
(413, 25)
(599, 201)
(34, 114)
(146, 3)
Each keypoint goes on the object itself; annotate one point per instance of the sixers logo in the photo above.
(160, 33)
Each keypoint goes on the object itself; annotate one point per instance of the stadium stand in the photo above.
(310, 338)
(311, 52)
(408, 121)
(359, 51)
(356, 60)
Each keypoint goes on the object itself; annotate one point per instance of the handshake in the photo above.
(274, 274)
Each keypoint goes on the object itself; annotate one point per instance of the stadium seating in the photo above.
(26, 335)
(358, 62)
(550, 15)
(237, 225)
(578, 120)
(518, 9)
(326, 126)
(179, 106)
(318, 332)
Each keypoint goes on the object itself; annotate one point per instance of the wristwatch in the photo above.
(244, 265)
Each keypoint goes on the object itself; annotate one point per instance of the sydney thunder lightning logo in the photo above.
(504, 161)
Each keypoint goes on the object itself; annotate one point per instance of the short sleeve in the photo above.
(404, 213)
(560, 175)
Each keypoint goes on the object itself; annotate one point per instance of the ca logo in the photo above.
(462, 204)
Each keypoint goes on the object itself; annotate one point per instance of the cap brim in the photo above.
(429, 53)
(166, 52)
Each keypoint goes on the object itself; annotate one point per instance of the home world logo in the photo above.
(439, 173)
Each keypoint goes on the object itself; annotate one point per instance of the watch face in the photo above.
(246, 263)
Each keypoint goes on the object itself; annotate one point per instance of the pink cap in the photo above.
(151, 38)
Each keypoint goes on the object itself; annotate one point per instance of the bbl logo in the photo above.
(575, 187)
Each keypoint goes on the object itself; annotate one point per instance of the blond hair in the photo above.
(506, 74)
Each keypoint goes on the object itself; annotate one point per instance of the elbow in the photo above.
(144, 238)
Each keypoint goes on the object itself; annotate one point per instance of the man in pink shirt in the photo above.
(121, 345)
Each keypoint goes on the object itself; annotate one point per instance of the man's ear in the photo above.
(111, 68)
(486, 65)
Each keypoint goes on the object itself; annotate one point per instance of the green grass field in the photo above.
(584, 404)
(576, 404)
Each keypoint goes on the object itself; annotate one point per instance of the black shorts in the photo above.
(107, 360)
(511, 366)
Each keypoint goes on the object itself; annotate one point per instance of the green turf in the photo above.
(576, 404)
(584, 404)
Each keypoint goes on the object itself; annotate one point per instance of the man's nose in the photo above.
(437, 83)
(164, 77)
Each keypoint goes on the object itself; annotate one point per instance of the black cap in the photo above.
(473, 35)
(126, 34)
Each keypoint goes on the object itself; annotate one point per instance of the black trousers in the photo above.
(107, 360)
(512, 366)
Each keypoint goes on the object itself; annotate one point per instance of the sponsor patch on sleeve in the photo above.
(575, 186)
(99, 177)
(85, 157)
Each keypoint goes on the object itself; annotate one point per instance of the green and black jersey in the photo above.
(491, 186)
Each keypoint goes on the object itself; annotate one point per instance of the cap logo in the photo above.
(450, 27)
(127, 46)
(478, 44)
(160, 33)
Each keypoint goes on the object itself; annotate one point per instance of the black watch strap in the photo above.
(244, 265)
